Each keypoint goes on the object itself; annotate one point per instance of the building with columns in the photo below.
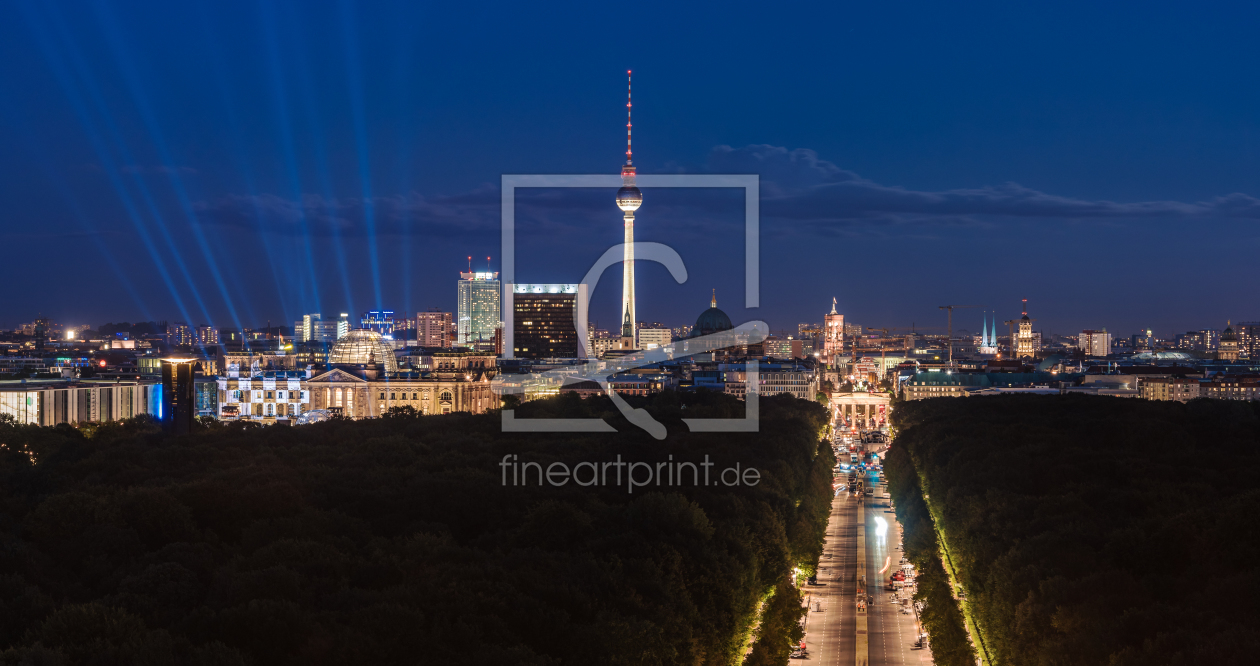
(363, 380)
(861, 410)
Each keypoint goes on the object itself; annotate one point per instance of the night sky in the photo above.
(234, 163)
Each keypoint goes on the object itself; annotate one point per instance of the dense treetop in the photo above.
(1096, 530)
(395, 540)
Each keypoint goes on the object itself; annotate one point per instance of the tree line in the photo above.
(1092, 530)
(395, 540)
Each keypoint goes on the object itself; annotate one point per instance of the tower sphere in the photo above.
(629, 198)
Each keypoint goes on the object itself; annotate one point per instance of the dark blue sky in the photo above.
(237, 162)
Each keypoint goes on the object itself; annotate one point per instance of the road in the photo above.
(892, 633)
(830, 633)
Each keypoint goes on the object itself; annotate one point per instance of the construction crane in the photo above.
(950, 310)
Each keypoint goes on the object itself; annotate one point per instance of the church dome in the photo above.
(1228, 334)
(360, 347)
(711, 321)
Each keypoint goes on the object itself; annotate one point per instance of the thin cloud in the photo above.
(801, 187)
(800, 192)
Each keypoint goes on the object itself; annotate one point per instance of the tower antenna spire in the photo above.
(629, 153)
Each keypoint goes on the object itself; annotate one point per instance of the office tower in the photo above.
(309, 322)
(435, 329)
(381, 321)
(1095, 343)
(1248, 333)
(629, 198)
(543, 320)
(207, 335)
(178, 394)
(343, 325)
(179, 334)
(477, 307)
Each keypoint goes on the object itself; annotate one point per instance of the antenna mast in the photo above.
(629, 153)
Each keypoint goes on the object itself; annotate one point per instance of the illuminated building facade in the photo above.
(1026, 346)
(314, 328)
(435, 329)
(1248, 333)
(52, 402)
(833, 335)
(653, 338)
(477, 308)
(207, 335)
(1229, 349)
(543, 320)
(457, 381)
(276, 395)
(1094, 343)
(180, 334)
(381, 321)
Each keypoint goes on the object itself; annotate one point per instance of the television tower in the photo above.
(628, 200)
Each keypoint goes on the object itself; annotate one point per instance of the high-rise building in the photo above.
(207, 335)
(477, 308)
(1248, 333)
(180, 334)
(1205, 340)
(435, 329)
(343, 325)
(1095, 343)
(309, 322)
(381, 321)
(543, 320)
(629, 198)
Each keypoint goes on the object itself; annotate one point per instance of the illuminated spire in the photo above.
(833, 305)
(713, 303)
(629, 153)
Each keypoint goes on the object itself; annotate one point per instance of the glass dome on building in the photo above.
(360, 347)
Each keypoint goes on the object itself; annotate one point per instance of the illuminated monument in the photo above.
(628, 200)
